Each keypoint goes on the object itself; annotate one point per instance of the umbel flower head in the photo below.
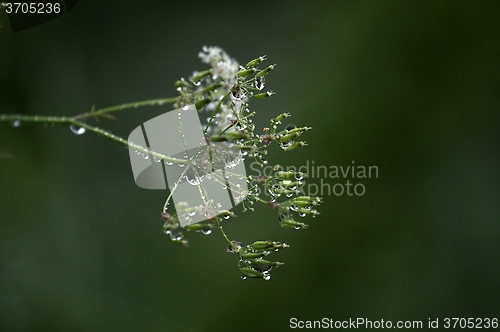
(221, 94)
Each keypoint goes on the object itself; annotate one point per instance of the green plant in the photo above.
(222, 92)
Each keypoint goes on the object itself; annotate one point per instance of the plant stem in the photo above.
(214, 113)
(219, 226)
(151, 102)
(63, 120)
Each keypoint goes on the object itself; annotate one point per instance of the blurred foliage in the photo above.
(412, 88)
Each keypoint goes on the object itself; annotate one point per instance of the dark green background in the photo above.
(411, 87)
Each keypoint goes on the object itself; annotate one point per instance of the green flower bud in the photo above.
(201, 74)
(265, 71)
(255, 62)
(264, 95)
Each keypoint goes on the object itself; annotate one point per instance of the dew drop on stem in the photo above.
(77, 130)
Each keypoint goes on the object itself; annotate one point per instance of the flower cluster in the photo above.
(223, 92)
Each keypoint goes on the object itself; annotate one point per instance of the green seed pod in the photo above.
(264, 95)
(299, 130)
(282, 116)
(252, 255)
(302, 203)
(264, 72)
(202, 103)
(201, 74)
(290, 223)
(251, 273)
(199, 227)
(212, 87)
(226, 214)
(182, 83)
(246, 72)
(235, 135)
(217, 138)
(182, 242)
(295, 145)
(288, 137)
(286, 175)
(255, 62)
(264, 264)
(262, 244)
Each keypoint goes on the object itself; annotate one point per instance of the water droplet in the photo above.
(237, 94)
(145, 156)
(224, 187)
(302, 215)
(267, 276)
(185, 108)
(157, 160)
(227, 216)
(299, 176)
(206, 231)
(181, 165)
(259, 83)
(192, 213)
(77, 130)
(296, 227)
(186, 155)
(197, 83)
(264, 161)
(194, 181)
(289, 195)
(243, 277)
(168, 163)
(16, 123)
(294, 207)
(137, 151)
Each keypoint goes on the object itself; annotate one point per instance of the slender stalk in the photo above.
(215, 112)
(219, 226)
(63, 120)
(151, 102)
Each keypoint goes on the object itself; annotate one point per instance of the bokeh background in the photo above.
(410, 87)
